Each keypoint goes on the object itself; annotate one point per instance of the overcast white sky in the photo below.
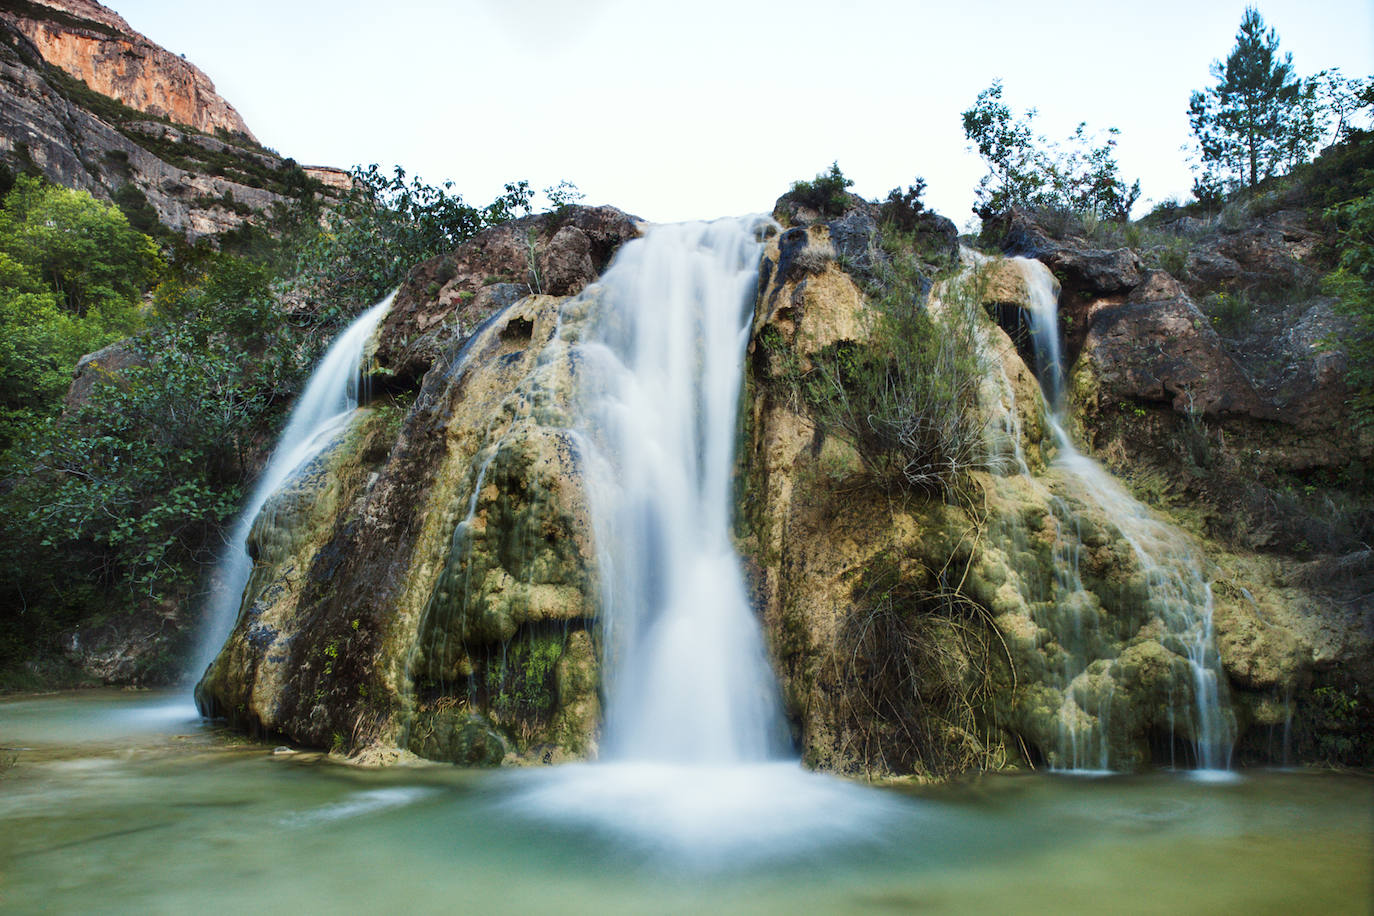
(681, 110)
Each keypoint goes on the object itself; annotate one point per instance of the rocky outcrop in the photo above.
(1157, 347)
(1218, 392)
(446, 297)
(95, 45)
(196, 184)
(928, 636)
(429, 582)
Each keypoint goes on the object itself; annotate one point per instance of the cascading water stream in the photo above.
(688, 679)
(695, 759)
(324, 408)
(1180, 595)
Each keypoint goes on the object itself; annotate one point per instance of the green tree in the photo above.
(1026, 169)
(83, 250)
(1259, 118)
(72, 277)
(1353, 285)
(827, 193)
(388, 224)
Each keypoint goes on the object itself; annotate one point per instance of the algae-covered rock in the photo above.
(434, 587)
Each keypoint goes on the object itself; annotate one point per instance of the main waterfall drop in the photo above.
(687, 676)
(695, 757)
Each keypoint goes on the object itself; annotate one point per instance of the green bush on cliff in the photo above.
(1353, 284)
(827, 193)
(906, 399)
(72, 273)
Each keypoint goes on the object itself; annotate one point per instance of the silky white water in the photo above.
(687, 678)
(695, 760)
(324, 408)
(1180, 594)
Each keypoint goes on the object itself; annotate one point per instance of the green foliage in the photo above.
(1353, 284)
(82, 249)
(388, 224)
(906, 398)
(1027, 170)
(827, 193)
(563, 195)
(902, 209)
(72, 274)
(1260, 119)
(119, 504)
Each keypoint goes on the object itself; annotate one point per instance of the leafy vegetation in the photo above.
(72, 274)
(827, 193)
(118, 504)
(1025, 169)
(906, 399)
(1353, 284)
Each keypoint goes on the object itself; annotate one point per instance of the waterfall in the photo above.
(324, 408)
(1180, 595)
(687, 677)
(695, 761)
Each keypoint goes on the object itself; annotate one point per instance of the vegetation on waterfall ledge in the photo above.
(907, 397)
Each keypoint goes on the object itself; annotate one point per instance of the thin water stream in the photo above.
(323, 410)
(116, 803)
(1179, 594)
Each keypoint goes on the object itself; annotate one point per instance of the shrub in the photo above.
(902, 209)
(907, 399)
(827, 194)
(917, 657)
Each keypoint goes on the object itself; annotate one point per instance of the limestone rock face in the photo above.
(95, 45)
(1015, 664)
(429, 582)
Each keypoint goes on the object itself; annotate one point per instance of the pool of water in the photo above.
(121, 802)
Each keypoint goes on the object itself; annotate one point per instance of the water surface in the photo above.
(123, 802)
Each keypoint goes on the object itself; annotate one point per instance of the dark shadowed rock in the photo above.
(445, 298)
(1157, 346)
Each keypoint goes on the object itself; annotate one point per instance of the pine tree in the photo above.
(1253, 121)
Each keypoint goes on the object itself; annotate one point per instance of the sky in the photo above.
(694, 110)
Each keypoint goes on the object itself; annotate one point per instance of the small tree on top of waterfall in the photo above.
(1025, 169)
(1259, 118)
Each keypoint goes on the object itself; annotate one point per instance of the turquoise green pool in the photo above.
(119, 802)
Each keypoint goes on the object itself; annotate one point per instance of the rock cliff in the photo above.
(95, 45)
(184, 155)
(429, 583)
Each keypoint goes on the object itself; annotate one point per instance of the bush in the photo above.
(917, 657)
(902, 210)
(907, 399)
(1353, 284)
(827, 193)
